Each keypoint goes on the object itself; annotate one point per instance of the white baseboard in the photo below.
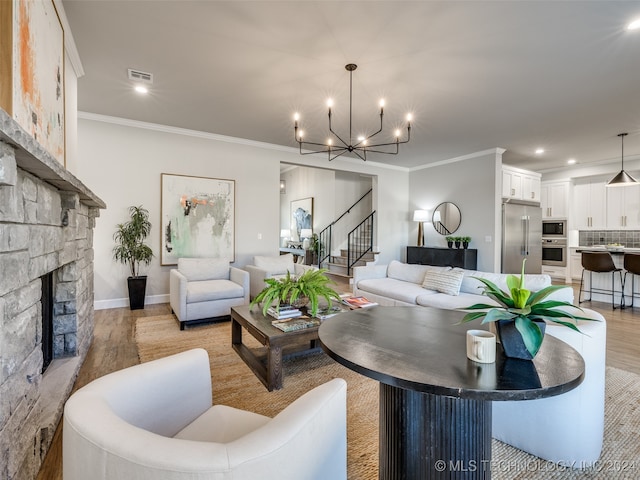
(124, 302)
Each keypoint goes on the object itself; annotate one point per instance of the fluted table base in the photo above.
(430, 436)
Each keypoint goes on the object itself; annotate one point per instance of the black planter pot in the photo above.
(511, 340)
(137, 289)
(457, 244)
(465, 244)
(450, 244)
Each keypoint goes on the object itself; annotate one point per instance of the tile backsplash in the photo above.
(628, 238)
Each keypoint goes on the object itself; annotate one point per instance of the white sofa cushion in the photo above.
(196, 269)
(448, 281)
(392, 288)
(208, 290)
(275, 265)
(410, 272)
(532, 282)
(450, 302)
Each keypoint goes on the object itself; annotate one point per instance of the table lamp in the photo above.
(305, 235)
(421, 216)
(284, 234)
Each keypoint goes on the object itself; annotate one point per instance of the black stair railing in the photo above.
(360, 241)
(325, 237)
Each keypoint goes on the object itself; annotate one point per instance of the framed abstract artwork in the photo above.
(38, 73)
(301, 216)
(198, 218)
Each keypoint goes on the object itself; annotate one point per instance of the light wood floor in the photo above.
(114, 348)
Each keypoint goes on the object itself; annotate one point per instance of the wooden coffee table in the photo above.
(266, 361)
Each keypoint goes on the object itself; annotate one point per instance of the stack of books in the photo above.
(285, 311)
(328, 312)
(357, 302)
(291, 324)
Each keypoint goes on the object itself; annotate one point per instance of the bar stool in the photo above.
(600, 262)
(632, 266)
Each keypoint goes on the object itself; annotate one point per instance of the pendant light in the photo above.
(622, 179)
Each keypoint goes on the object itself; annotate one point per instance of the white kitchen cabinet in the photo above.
(557, 273)
(511, 184)
(554, 199)
(519, 184)
(589, 202)
(623, 207)
(575, 260)
(531, 188)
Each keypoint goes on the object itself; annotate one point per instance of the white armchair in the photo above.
(155, 421)
(272, 267)
(204, 289)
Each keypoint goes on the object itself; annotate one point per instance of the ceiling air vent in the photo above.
(138, 76)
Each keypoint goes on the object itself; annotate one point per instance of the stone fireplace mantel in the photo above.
(47, 219)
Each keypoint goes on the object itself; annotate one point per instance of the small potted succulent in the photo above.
(521, 317)
(465, 242)
(458, 241)
(298, 291)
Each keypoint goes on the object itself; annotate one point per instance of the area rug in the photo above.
(235, 385)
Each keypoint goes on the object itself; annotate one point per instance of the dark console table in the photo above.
(444, 257)
(435, 404)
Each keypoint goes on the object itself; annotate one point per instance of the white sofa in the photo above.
(155, 421)
(402, 284)
(565, 429)
(272, 267)
(204, 289)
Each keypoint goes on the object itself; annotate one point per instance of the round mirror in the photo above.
(446, 218)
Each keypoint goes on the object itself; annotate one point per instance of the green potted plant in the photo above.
(308, 287)
(457, 241)
(521, 317)
(131, 250)
(465, 242)
(450, 241)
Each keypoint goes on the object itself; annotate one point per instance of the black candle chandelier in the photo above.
(361, 145)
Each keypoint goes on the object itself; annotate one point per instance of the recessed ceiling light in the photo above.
(539, 151)
(571, 161)
(141, 89)
(635, 25)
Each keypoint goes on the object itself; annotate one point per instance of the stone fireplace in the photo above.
(47, 217)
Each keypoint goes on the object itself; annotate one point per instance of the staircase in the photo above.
(338, 264)
(359, 246)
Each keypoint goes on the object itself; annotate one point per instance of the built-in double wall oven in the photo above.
(554, 243)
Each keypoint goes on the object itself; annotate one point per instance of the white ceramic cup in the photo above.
(481, 346)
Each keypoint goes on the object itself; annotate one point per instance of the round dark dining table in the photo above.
(435, 403)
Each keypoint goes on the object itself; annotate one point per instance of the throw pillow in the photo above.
(444, 281)
(275, 265)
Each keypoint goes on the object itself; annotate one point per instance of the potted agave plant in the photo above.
(521, 317)
(298, 291)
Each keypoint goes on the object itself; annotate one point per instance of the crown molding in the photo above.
(495, 151)
(223, 138)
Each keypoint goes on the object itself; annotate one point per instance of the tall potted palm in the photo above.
(131, 250)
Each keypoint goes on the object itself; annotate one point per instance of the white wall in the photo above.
(473, 184)
(121, 161)
(333, 192)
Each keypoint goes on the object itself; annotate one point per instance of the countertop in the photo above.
(603, 248)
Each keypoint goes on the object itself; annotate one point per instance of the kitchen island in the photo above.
(602, 280)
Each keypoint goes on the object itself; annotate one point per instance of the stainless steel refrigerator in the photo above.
(521, 238)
